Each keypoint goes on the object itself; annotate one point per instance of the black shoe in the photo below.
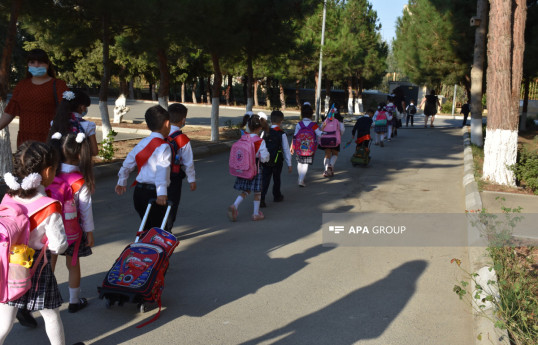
(262, 203)
(74, 307)
(26, 319)
(79, 343)
(279, 198)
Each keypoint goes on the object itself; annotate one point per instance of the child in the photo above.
(69, 118)
(151, 156)
(278, 147)
(181, 157)
(390, 109)
(34, 167)
(254, 126)
(362, 128)
(305, 155)
(380, 124)
(331, 153)
(76, 170)
(411, 110)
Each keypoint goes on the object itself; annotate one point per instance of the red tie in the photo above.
(143, 156)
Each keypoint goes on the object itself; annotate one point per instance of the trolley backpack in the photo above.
(273, 142)
(63, 188)
(242, 160)
(304, 141)
(16, 277)
(331, 136)
(177, 141)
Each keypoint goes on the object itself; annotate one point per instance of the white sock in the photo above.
(302, 169)
(389, 132)
(326, 163)
(333, 160)
(256, 207)
(74, 295)
(238, 201)
(7, 318)
(53, 326)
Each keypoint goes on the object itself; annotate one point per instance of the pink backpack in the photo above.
(16, 279)
(63, 188)
(243, 157)
(304, 142)
(381, 118)
(331, 136)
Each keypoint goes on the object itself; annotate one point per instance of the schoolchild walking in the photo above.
(305, 141)
(182, 159)
(151, 157)
(380, 120)
(277, 145)
(245, 156)
(72, 187)
(69, 118)
(34, 168)
(392, 119)
(411, 110)
(362, 127)
(332, 131)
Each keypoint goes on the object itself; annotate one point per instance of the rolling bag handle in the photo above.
(146, 214)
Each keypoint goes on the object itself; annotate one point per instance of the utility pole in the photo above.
(454, 100)
(318, 89)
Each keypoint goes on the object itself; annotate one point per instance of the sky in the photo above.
(387, 12)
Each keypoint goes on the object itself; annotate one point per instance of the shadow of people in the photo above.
(363, 314)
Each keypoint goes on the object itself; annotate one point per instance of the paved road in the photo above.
(272, 282)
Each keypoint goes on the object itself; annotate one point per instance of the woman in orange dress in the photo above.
(35, 99)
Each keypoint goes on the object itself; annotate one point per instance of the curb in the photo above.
(483, 328)
(111, 169)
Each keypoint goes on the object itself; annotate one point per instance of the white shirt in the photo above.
(285, 147)
(263, 153)
(156, 170)
(83, 199)
(52, 226)
(87, 126)
(187, 160)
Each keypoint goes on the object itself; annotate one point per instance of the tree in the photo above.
(506, 45)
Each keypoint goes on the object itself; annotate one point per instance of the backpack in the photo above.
(305, 142)
(242, 160)
(381, 119)
(411, 109)
(176, 141)
(273, 142)
(15, 255)
(331, 136)
(63, 188)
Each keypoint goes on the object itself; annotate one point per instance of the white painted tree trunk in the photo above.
(215, 102)
(327, 105)
(105, 118)
(250, 104)
(350, 105)
(358, 105)
(163, 102)
(500, 152)
(6, 157)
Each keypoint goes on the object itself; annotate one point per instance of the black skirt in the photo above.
(305, 159)
(83, 249)
(47, 295)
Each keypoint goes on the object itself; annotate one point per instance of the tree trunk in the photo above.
(317, 113)
(105, 78)
(228, 89)
(297, 93)
(255, 92)
(268, 92)
(350, 95)
(250, 78)
(194, 86)
(215, 101)
(505, 66)
(131, 89)
(164, 82)
(230, 85)
(208, 90)
(477, 74)
(6, 158)
(282, 95)
(328, 95)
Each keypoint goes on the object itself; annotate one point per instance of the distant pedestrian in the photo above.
(411, 110)
(465, 110)
(431, 102)
(35, 99)
(392, 119)
(255, 125)
(380, 120)
(305, 141)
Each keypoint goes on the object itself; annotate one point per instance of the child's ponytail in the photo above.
(64, 121)
(76, 148)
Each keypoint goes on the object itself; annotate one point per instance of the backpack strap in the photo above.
(73, 179)
(143, 156)
(301, 124)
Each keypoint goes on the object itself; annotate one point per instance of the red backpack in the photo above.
(63, 188)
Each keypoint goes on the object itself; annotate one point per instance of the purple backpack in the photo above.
(304, 141)
(331, 136)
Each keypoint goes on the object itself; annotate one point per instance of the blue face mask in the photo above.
(84, 113)
(37, 71)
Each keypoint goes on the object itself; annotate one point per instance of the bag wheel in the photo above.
(145, 307)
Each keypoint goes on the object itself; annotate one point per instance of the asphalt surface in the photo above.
(273, 282)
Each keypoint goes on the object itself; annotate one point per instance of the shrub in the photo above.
(106, 151)
(526, 168)
(446, 108)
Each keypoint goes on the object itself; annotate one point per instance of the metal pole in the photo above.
(454, 100)
(318, 90)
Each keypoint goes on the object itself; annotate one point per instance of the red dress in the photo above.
(35, 106)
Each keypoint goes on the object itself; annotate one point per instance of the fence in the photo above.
(533, 91)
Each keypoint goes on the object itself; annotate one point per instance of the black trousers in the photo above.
(407, 120)
(143, 193)
(268, 173)
(174, 195)
(465, 116)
